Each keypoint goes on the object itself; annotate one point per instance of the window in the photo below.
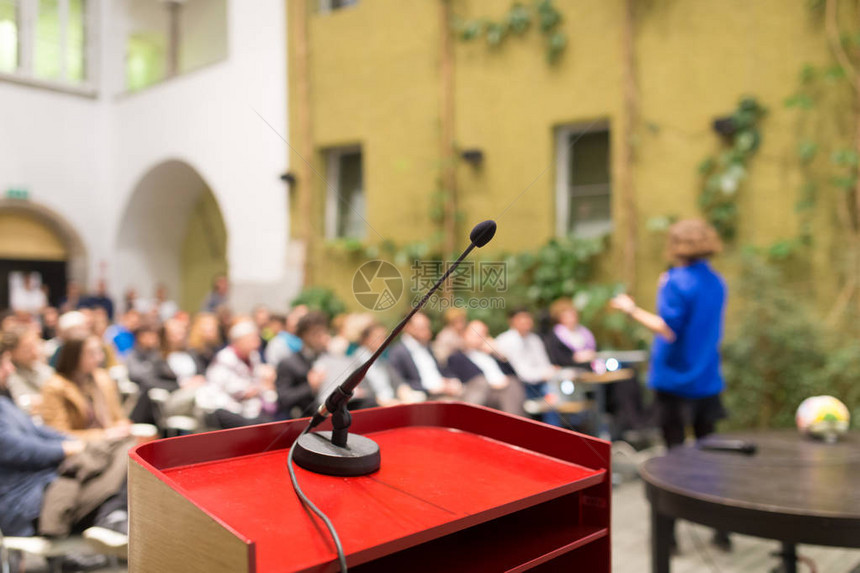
(166, 39)
(345, 208)
(583, 182)
(329, 5)
(9, 52)
(47, 40)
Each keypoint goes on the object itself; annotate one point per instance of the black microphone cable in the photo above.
(341, 556)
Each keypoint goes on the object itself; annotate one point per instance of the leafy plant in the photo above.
(519, 19)
(322, 299)
(722, 175)
(778, 353)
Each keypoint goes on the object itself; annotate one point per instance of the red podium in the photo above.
(461, 488)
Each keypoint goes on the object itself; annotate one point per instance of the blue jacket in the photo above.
(29, 457)
(691, 300)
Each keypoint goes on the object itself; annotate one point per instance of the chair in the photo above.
(52, 550)
(172, 425)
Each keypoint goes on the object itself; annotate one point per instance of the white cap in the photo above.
(242, 328)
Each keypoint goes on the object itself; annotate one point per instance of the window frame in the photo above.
(563, 153)
(332, 157)
(28, 17)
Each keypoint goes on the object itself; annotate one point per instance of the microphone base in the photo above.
(315, 453)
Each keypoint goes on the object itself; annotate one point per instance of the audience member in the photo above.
(140, 362)
(81, 399)
(450, 338)
(569, 343)
(40, 491)
(204, 338)
(30, 373)
(174, 369)
(239, 388)
(414, 362)
(163, 306)
(28, 296)
(72, 299)
(479, 366)
(261, 316)
(527, 355)
(121, 334)
(70, 325)
(348, 328)
(386, 387)
(298, 382)
(219, 294)
(286, 342)
(100, 325)
(100, 299)
(50, 316)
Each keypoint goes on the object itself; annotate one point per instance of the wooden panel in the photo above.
(169, 534)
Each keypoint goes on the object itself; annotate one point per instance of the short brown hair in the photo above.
(559, 307)
(691, 239)
(311, 320)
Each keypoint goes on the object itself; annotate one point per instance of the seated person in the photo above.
(239, 389)
(415, 363)
(450, 338)
(527, 355)
(31, 487)
(569, 343)
(31, 372)
(81, 399)
(173, 369)
(384, 384)
(140, 362)
(204, 338)
(297, 381)
(478, 364)
(286, 341)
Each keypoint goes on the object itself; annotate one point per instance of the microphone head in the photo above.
(483, 232)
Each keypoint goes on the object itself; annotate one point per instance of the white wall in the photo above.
(85, 157)
(207, 119)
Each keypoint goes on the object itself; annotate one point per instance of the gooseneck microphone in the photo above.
(481, 234)
(337, 452)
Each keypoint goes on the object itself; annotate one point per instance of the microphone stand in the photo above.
(337, 452)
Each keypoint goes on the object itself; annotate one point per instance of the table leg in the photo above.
(789, 557)
(661, 535)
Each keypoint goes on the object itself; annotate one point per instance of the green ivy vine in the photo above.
(722, 174)
(518, 20)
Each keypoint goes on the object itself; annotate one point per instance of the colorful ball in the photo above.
(823, 417)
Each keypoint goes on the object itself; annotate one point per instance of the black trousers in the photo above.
(675, 414)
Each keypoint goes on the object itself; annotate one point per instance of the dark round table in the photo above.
(793, 489)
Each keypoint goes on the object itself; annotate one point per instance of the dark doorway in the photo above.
(53, 275)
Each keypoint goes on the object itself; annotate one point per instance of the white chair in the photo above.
(52, 550)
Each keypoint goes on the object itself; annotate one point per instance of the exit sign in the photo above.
(17, 193)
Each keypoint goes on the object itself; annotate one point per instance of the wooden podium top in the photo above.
(445, 467)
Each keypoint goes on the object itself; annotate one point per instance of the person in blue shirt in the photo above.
(685, 357)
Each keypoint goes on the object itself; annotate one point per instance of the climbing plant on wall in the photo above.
(722, 174)
(520, 18)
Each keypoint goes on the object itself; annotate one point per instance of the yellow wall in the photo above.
(25, 237)
(375, 81)
(203, 251)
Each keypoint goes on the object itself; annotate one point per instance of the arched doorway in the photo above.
(172, 232)
(35, 239)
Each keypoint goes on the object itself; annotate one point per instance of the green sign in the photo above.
(17, 193)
